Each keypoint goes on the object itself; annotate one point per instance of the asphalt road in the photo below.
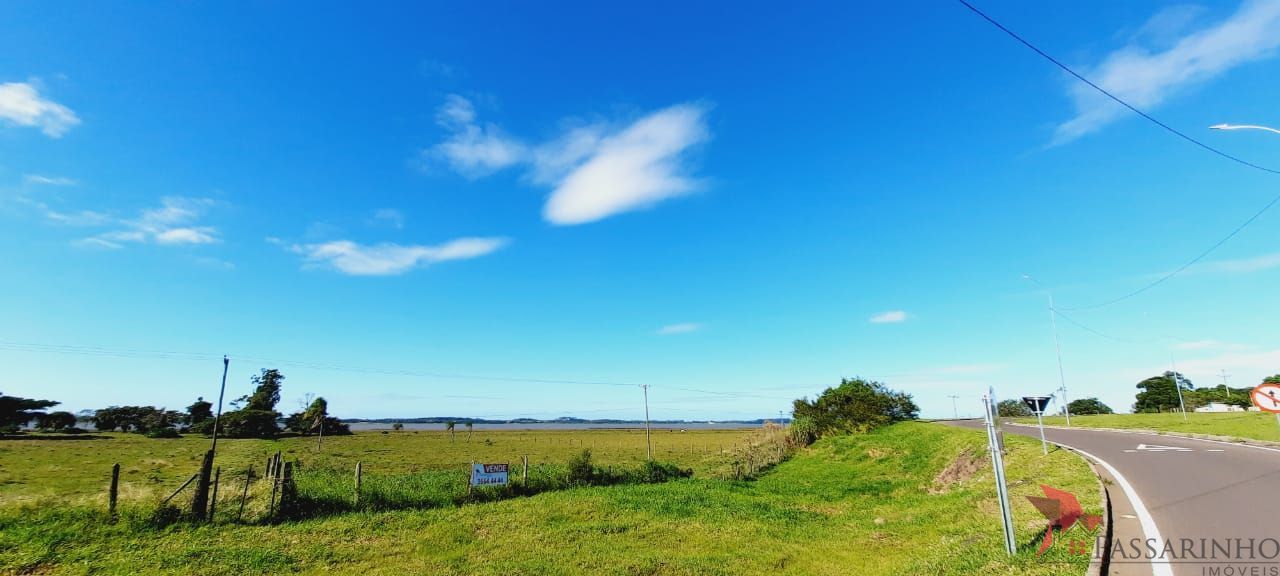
(1190, 489)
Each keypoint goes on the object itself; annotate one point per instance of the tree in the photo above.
(266, 392)
(142, 419)
(249, 424)
(316, 419)
(16, 412)
(1015, 409)
(450, 425)
(199, 411)
(470, 425)
(1272, 379)
(1083, 406)
(1159, 393)
(856, 405)
(397, 426)
(257, 419)
(58, 421)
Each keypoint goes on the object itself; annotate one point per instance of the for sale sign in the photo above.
(488, 474)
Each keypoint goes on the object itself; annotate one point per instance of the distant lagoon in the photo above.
(461, 426)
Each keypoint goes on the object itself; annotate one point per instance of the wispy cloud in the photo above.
(681, 328)
(473, 150)
(389, 259)
(48, 180)
(1146, 78)
(388, 217)
(174, 222)
(1245, 265)
(1207, 345)
(21, 104)
(889, 317)
(594, 171)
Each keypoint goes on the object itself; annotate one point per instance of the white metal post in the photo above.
(1044, 446)
(997, 462)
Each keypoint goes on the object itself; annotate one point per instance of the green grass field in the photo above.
(64, 468)
(878, 503)
(1251, 425)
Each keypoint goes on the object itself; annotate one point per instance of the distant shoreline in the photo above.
(564, 420)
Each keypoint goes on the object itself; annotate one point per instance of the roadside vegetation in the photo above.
(1249, 425)
(909, 498)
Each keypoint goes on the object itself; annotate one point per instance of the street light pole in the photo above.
(955, 409)
(648, 444)
(1057, 347)
(1243, 127)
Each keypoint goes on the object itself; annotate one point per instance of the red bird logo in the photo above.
(1063, 511)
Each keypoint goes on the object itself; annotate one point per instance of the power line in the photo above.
(1157, 122)
(197, 356)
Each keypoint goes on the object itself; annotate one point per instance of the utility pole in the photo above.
(1177, 386)
(648, 444)
(225, 363)
(1057, 348)
(954, 409)
(1226, 390)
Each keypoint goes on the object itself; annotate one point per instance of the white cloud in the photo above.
(1146, 78)
(48, 180)
(387, 259)
(474, 150)
(1205, 345)
(389, 217)
(595, 171)
(21, 104)
(81, 218)
(681, 328)
(1245, 265)
(890, 317)
(635, 168)
(172, 223)
(201, 235)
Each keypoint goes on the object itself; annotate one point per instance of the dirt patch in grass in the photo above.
(968, 463)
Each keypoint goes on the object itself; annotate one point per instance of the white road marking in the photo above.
(1129, 516)
(1160, 566)
(1215, 450)
(1159, 448)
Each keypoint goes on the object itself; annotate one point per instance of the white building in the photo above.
(1219, 407)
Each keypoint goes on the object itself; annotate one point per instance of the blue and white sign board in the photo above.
(489, 474)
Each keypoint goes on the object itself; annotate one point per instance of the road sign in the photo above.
(1037, 404)
(1266, 397)
(488, 474)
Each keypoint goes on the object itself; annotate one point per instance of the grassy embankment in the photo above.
(913, 498)
(1251, 425)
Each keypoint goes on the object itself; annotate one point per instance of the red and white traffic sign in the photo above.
(1266, 397)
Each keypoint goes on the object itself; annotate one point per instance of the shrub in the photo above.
(163, 433)
(581, 472)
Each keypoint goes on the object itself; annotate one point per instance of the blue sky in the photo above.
(735, 207)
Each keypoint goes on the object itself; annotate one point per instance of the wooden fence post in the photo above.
(525, 480)
(245, 494)
(287, 490)
(213, 501)
(271, 507)
(200, 502)
(470, 470)
(359, 472)
(115, 486)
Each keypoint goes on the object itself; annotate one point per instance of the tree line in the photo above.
(1155, 394)
(253, 415)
